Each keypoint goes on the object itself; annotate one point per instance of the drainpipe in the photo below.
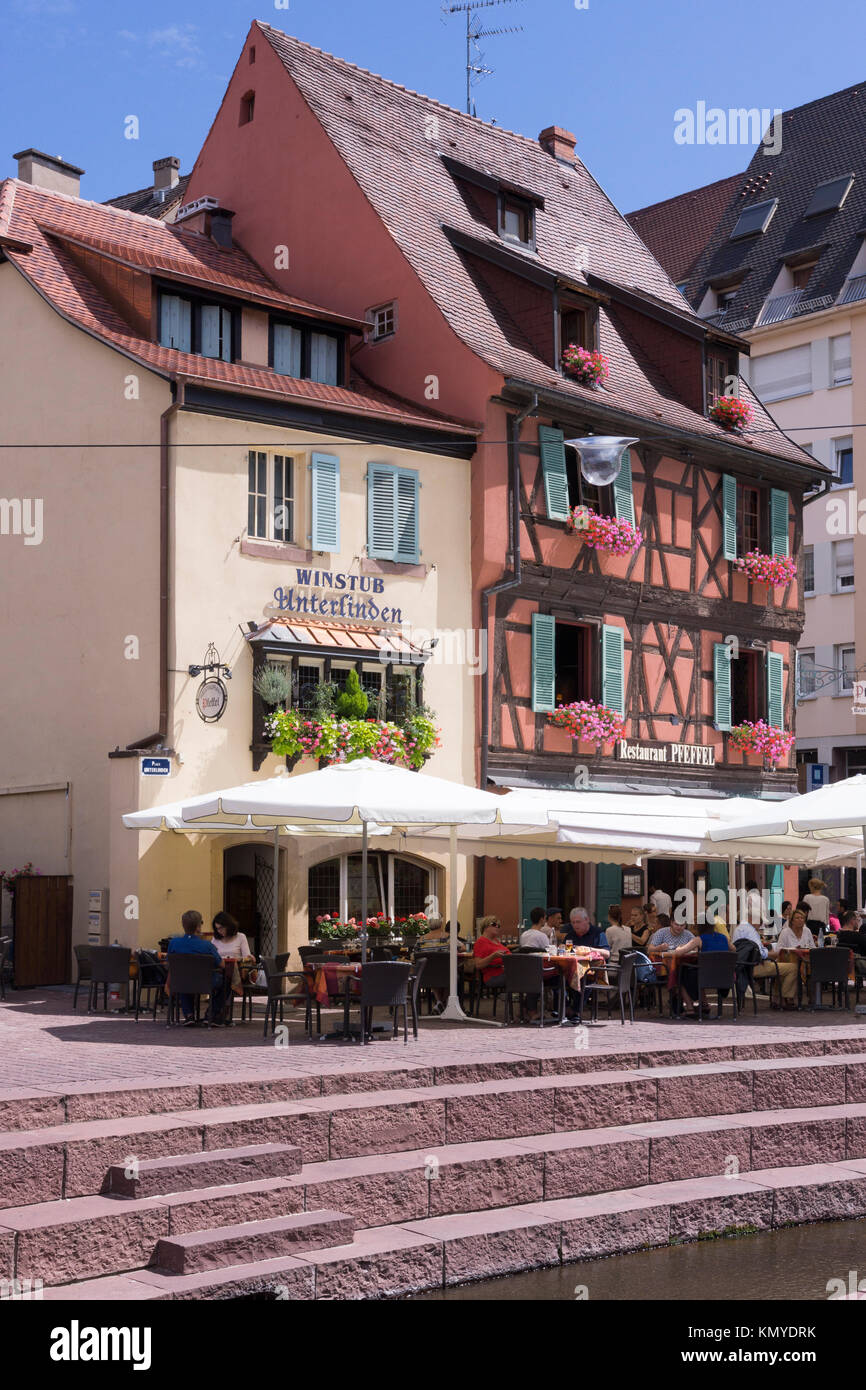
(176, 405)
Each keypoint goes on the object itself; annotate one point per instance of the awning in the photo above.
(340, 639)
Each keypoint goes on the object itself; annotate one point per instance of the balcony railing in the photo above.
(782, 306)
(853, 290)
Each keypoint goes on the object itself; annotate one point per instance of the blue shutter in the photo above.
(287, 350)
(543, 662)
(623, 494)
(775, 884)
(717, 878)
(729, 516)
(392, 513)
(778, 522)
(533, 886)
(323, 358)
(325, 531)
(613, 668)
(775, 690)
(608, 890)
(722, 685)
(552, 445)
(406, 502)
(175, 322)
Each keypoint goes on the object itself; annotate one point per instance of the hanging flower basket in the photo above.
(335, 740)
(589, 722)
(614, 534)
(589, 368)
(768, 569)
(731, 413)
(765, 739)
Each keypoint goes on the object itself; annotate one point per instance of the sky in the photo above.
(615, 72)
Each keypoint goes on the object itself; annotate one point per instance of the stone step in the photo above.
(84, 1237)
(151, 1177)
(199, 1251)
(396, 1260)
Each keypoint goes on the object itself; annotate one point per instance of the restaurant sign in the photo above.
(671, 754)
(323, 594)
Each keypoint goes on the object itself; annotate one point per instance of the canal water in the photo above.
(797, 1262)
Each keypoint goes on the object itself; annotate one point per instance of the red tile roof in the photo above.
(348, 637)
(50, 222)
(677, 229)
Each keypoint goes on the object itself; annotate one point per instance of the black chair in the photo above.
(478, 988)
(717, 970)
(152, 975)
(188, 974)
(109, 965)
(5, 945)
(278, 993)
(309, 953)
(622, 985)
(82, 962)
(524, 976)
(251, 990)
(419, 971)
(828, 967)
(437, 973)
(382, 952)
(748, 956)
(384, 985)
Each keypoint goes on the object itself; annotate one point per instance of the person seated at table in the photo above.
(192, 943)
(536, 935)
(796, 936)
(618, 936)
(670, 935)
(637, 925)
(581, 932)
(553, 923)
(769, 967)
(228, 938)
(438, 937)
(489, 951)
(778, 920)
(707, 939)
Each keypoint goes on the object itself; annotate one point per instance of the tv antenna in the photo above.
(475, 32)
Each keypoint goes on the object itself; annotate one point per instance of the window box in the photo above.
(731, 413)
(774, 570)
(585, 366)
(763, 739)
(335, 740)
(589, 722)
(614, 534)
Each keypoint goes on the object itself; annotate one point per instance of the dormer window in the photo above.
(194, 325)
(755, 219)
(801, 274)
(516, 220)
(306, 352)
(578, 325)
(383, 321)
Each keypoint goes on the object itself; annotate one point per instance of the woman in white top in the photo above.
(817, 902)
(796, 936)
(228, 938)
(618, 936)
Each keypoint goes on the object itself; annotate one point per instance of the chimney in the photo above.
(48, 171)
(166, 172)
(205, 215)
(559, 143)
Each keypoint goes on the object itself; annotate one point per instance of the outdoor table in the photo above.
(572, 966)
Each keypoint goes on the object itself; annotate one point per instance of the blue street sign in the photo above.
(155, 767)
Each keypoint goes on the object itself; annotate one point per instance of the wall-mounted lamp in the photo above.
(601, 456)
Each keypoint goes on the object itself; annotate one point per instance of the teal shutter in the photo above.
(543, 662)
(325, 533)
(613, 668)
(552, 445)
(729, 516)
(722, 685)
(623, 494)
(608, 890)
(775, 884)
(717, 879)
(392, 513)
(533, 886)
(778, 522)
(775, 690)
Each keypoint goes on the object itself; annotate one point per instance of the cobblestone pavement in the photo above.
(45, 1045)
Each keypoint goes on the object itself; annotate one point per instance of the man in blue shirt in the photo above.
(193, 944)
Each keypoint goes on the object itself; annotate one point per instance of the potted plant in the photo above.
(584, 365)
(9, 877)
(333, 739)
(379, 926)
(273, 684)
(413, 926)
(614, 534)
(759, 737)
(589, 722)
(731, 413)
(774, 570)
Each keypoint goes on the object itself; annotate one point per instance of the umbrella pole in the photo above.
(364, 894)
(452, 1009)
(276, 890)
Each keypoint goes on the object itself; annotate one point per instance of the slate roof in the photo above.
(382, 132)
(677, 230)
(49, 223)
(820, 140)
(145, 202)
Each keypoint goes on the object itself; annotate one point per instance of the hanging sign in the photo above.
(211, 699)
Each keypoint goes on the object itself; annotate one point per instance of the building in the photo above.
(476, 255)
(199, 484)
(163, 198)
(785, 266)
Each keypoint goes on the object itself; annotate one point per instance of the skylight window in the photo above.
(755, 219)
(829, 196)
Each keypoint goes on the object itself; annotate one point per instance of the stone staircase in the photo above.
(355, 1184)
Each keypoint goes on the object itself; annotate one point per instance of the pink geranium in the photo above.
(614, 534)
(589, 722)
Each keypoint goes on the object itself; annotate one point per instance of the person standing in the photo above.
(754, 904)
(818, 904)
(661, 901)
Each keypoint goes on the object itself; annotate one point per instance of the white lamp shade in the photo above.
(600, 456)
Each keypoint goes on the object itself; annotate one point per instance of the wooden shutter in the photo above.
(175, 322)
(608, 890)
(392, 513)
(552, 445)
(717, 875)
(775, 690)
(778, 522)
(775, 883)
(325, 531)
(613, 668)
(406, 505)
(729, 516)
(722, 686)
(533, 886)
(623, 493)
(287, 350)
(543, 662)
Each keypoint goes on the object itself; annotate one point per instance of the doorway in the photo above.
(248, 894)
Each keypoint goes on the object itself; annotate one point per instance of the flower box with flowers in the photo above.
(332, 929)
(731, 413)
(763, 739)
(775, 570)
(614, 534)
(589, 722)
(583, 365)
(379, 926)
(416, 924)
(336, 740)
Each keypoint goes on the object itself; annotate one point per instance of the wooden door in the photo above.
(241, 904)
(42, 930)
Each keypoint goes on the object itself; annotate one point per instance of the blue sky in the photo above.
(614, 72)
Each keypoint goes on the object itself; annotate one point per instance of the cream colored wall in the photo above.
(68, 605)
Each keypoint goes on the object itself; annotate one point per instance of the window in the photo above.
(808, 569)
(306, 353)
(843, 566)
(843, 460)
(584, 494)
(310, 675)
(577, 326)
(755, 219)
(216, 332)
(682, 288)
(248, 108)
(392, 513)
(776, 375)
(840, 360)
(516, 220)
(384, 321)
(565, 487)
(747, 702)
(806, 674)
(718, 371)
(806, 756)
(749, 519)
(576, 661)
(830, 195)
(573, 653)
(397, 885)
(270, 496)
(725, 298)
(802, 274)
(844, 660)
(190, 325)
(252, 53)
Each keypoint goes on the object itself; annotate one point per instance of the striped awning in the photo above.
(339, 639)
